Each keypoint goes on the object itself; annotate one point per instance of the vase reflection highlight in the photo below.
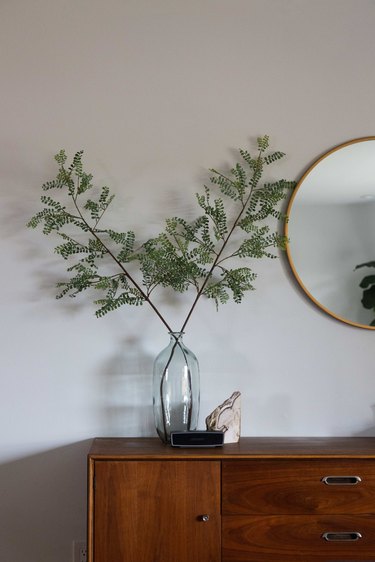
(176, 392)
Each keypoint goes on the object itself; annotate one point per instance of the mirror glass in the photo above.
(331, 231)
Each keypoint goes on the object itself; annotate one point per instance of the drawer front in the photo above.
(295, 538)
(298, 486)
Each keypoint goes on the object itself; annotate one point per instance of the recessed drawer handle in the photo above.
(341, 480)
(342, 537)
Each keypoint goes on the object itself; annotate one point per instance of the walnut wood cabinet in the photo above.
(259, 500)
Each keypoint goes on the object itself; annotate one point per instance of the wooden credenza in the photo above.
(259, 500)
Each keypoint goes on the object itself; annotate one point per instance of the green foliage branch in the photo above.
(368, 286)
(199, 254)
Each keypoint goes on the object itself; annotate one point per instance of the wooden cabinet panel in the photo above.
(275, 538)
(297, 486)
(151, 511)
(146, 501)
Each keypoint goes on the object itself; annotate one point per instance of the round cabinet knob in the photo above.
(205, 517)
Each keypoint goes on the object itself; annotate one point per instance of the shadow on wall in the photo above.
(126, 391)
(43, 504)
(369, 431)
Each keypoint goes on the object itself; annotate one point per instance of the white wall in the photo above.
(157, 92)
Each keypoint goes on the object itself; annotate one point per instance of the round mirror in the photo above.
(331, 231)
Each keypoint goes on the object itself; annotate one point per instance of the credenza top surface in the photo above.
(143, 448)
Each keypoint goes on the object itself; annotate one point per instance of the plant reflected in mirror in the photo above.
(368, 286)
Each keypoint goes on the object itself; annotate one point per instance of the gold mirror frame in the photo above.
(287, 233)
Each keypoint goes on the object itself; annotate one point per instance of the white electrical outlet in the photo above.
(79, 551)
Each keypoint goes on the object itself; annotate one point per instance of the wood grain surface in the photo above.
(296, 538)
(150, 511)
(296, 486)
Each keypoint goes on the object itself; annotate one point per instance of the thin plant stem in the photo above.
(219, 254)
(162, 381)
(125, 271)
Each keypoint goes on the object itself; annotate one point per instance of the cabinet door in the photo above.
(156, 511)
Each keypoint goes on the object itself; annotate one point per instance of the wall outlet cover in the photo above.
(79, 551)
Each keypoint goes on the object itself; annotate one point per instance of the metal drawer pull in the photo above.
(353, 536)
(205, 518)
(341, 480)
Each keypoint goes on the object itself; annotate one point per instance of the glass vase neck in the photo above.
(176, 336)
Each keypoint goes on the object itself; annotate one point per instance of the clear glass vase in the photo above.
(175, 389)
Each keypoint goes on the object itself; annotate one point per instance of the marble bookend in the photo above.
(227, 418)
